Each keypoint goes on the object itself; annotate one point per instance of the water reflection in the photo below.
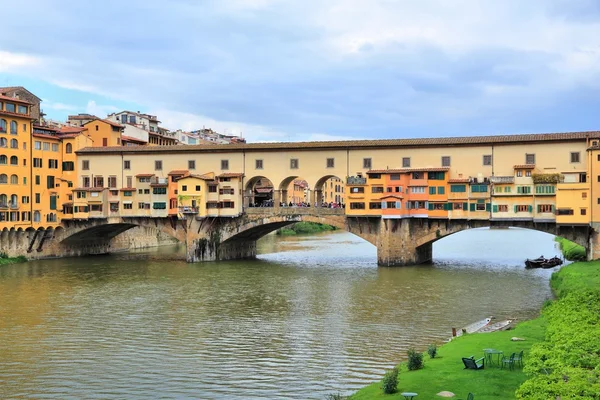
(300, 323)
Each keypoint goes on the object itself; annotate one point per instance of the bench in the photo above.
(471, 363)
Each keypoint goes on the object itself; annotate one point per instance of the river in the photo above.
(313, 315)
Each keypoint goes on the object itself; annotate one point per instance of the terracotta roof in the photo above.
(27, 116)
(525, 166)
(144, 175)
(127, 190)
(206, 177)
(80, 189)
(126, 138)
(72, 129)
(179, 172)
(105, 121)
(9, 98)
(97, 189)
(231, 175)
(82, 116)
(41, 135)
(382, 143)
(153, 184)
(459, 180)
(406, 170)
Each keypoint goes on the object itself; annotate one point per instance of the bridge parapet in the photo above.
(313, 211)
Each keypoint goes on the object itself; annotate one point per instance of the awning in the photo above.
(264, 190)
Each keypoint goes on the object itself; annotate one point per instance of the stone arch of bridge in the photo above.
(440, 229)
(258, 191)
(285, 194)
(320, 189)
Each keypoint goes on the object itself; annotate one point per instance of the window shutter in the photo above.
(472, 207)
(515, 209)
(431, 206)
(465, 206)
(487, 206)
(495, 208)
(53, 202)
(383, 205)
(432, 190)
(398, 205)
(530, 208)
(552, 208)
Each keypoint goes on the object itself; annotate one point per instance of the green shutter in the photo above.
(487, 206)
(53, 202)
(430, 206)
(465, 206)
(495, 208)
(552, 208)
(515, 209)
(432, 190)
(441, 190)
(472, 207)
(530, 208)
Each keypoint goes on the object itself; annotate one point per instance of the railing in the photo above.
(356, 180)
(502, 179)
(159, 181)
(188, 210)
(294, 211)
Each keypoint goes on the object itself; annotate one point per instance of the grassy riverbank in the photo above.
(305, 228)
(11, 260)
(560, 347)
(571, 251)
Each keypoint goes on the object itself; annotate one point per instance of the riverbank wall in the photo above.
(48, 244)
(561, 356)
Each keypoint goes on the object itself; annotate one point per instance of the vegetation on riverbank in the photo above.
(6, 260)
(571, 251)
(562, 359)
(304, 228)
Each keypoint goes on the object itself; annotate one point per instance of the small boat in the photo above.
(535, 263)
(552, 262)
(471, 328)
(498, 326)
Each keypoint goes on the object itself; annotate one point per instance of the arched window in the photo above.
(36, 216)
(2, 126)
(14, 199)
(3, 160)
(14, 160)
(3, 199)
(69, 148)
(3, 178)
(14, 144)
(13, 127)
(14, 180)
(3, 142)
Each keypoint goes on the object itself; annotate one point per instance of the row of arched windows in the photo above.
(14, 179)
(14, 160)
(13, 127)
(14, 143)
(4, 199)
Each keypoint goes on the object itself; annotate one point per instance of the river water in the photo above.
(313, 315)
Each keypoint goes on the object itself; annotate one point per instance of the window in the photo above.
(357, 190)
(503, 208)
(197, 188)
(126, 164)
(228, 204)
(432, 190)
(141, 191)
(522, 208)
(10, 107)
(37, 180)
(112, 182)
(524, 189)
(445, 161)
(81, 195)
(437, 176)
(22, 109)
(528, 173)
(584, 195)
(159, 190)
(37, 163)
(457, 206)
(3, 159)
(357, 206)
(127, 206)
(54, 146)
(394, 177)
(441, 190)
(14, 180)
(479, 188)
(545, 189)
(583, 211)
(575, 157)
(405, 162)
(417, 189)
(14, 160)
(53, 164)
(37, 145)
(507, 189)
(376, 189)
(37, 198)
(480, 207)
(529, 158)
(146, 191)
(157, 165)
(258, 164)
(85, 165)
(366, 163)
(582, 177)
(130, 181)
(487, 159)
(545, 208)
(69, 148)
(224, 164)
(458, 188)
(159, 206)
(227, 191)
(294, 163)
(191, 164)
(13, 127)
(46, 146)
(24, 127)
(85, 181)
(212, 189)
(3, 178)
(375, 205)
(330, 162)
(127, 193)
(98, 181)
(184, 188)
(564, 211)
(519, 173)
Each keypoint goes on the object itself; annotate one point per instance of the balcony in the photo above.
(188, 210)
(356, 180)
(502, 179)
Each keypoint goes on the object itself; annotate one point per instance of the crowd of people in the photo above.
(270, 203)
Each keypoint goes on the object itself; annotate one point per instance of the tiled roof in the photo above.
(127, 190)
(144, 175)
(231, 175)
(126, 138)
(72, 129)
(10, 98)
(360, 144)
(179, 172)
(41, 135)
(206, 177)
(525, 166)
(108, 122)
(459, 180)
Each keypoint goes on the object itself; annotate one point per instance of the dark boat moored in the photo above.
(542, 262)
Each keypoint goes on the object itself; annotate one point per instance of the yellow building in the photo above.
(104, 133)
(333, 190)
(15, 145)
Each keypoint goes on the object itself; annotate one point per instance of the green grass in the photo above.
(446, 371)
(559, 328)
(12, 260)
(305, 228)
(571, 251)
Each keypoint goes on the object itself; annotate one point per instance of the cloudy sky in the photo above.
(281, 70)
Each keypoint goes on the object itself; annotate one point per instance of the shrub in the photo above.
(415, 360)
(389, 383)
(3, 255)
(432, 350)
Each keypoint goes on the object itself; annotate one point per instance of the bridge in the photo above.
(398, 241)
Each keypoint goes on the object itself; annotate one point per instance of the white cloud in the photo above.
(13, 62)
(100, 111)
